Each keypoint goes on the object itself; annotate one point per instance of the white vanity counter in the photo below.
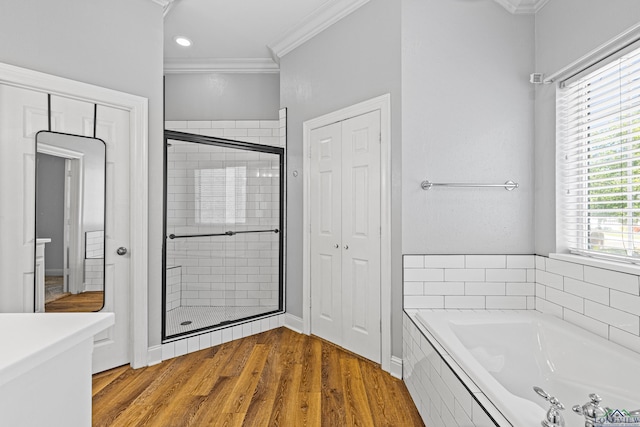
(45, 367)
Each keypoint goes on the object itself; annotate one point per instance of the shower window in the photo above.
(221, 195)
(223, 249)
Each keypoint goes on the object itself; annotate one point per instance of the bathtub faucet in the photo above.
(553, 417)
(591, 410)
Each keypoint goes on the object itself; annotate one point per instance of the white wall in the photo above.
(354, 60)
(467, 116)
(50, 209)
(220, 96)
(115, 44)
(565, 31)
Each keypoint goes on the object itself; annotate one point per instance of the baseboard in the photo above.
(93, 288)
(154, 355)
(396, 367)
(53, 272)
(293, 322)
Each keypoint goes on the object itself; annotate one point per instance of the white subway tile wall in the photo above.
(94, 274)
(225, 271)
(603, 301)
(439, 393)
(469, 281)
(94, 244)
(174, 287)
(264, 132)
(213, 338)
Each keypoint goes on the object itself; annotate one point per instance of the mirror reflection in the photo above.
(70, 220)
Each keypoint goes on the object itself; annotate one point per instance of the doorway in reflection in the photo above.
(70, 219)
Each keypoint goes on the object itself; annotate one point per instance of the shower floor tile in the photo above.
(202, 317)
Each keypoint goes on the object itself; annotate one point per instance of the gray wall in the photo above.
(115, 44)
(565, 31)
(219, 96)
(50, 210)
(467, 116)
(356, 59)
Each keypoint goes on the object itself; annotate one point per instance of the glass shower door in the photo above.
(223, 240)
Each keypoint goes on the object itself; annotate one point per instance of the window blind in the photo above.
(599, 161)
(221, 195)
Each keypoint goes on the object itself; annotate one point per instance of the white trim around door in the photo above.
(137, 108)
(383, 105)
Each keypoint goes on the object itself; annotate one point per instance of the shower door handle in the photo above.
(121, 251)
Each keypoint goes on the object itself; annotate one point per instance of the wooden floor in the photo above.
(277, 378)
(83, 302)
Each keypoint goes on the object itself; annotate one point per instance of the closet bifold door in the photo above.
(345, 234)
(361, 235)
(326, 233)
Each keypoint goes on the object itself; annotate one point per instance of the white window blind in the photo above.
(599, 161)
(221, 195)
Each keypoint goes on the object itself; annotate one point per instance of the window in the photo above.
(599, 161)
(221, 195)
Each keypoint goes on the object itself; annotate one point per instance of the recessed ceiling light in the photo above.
(183, 41)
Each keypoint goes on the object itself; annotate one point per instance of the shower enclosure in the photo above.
(223, 222)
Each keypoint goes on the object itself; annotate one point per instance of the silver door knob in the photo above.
(346, 246)
(337, 246)
(121, 251)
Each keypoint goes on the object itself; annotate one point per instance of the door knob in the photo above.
(337, 246)
(346, 246)
(121, 251)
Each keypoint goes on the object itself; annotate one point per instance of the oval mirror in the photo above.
(70, 221)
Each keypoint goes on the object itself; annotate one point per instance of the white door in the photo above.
(345, 234)
(326, 232)
(112, 346)
(22, 114)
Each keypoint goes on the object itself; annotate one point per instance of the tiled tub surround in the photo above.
(469, 281)
(601, 300)
(442, 392)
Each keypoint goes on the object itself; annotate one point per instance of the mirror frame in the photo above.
(104, 212)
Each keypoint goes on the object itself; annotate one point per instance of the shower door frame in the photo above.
(239, 145)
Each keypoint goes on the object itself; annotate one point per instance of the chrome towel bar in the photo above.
(428, 185)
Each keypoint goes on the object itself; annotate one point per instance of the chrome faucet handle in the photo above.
(554, 417)
(590, 410)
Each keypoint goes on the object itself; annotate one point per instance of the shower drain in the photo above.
(185, 323)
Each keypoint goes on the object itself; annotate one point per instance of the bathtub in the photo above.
(506, 353)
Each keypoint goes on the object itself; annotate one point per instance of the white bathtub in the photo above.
(506, 353)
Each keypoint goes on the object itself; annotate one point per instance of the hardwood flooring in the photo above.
(82, 302)
(277, 378)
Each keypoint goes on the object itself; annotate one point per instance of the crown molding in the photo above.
(215, 65)
(519, 7)
(312, 25)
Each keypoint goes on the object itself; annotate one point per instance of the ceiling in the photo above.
(250, 36)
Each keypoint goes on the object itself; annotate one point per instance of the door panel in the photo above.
(361, 234)
(345, 234)
(112, 346)
(22, 114)
(326, 309)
